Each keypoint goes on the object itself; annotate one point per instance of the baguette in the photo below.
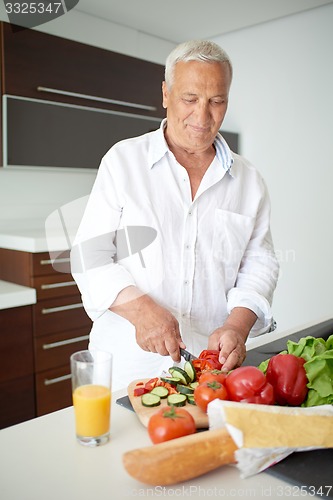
(180, 459)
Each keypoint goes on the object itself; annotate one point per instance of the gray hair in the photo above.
(194, 50)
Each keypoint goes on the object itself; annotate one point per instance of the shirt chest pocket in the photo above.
(232, 232)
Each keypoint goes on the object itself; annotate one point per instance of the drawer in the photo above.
(17, 401)
(55, 350)
(55, 285)
(42, 263)
(59, 315)
(53, 390)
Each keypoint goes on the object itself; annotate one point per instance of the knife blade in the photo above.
(188, 356)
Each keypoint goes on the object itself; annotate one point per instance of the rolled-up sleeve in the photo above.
(93, 256)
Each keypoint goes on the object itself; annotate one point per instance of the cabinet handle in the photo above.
(56, 380)
(96, 98)
(61, 343)
(49, 261)
(52, 310)
(49, 286)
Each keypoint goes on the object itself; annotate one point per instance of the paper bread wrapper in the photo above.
(266, 434)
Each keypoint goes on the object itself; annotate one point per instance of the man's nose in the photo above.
(203, 113)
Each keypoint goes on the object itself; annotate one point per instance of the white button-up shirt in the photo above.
(198, 257)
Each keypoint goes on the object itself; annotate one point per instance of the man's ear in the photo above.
(165, 95)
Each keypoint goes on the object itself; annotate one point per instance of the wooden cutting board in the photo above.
(144, 413)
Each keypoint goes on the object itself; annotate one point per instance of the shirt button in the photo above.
(187, 247)
(190, 212)
(186, 282)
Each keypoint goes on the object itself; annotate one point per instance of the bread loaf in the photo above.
(180, 459)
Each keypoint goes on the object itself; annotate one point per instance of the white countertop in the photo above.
(12, 295)
(41, 459)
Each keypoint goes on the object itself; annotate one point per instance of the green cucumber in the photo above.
(181, 374)
(160, 391)
(190, 370)
(193, 385)
(150, 400)
(184, 389)
(171, 380)
(177, 400)
(190, 399)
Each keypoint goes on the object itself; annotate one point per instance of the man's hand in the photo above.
(157, 330)
(231, 337)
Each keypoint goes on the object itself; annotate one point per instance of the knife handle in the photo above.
(181, 459)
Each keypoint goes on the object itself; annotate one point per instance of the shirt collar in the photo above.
(159, 147)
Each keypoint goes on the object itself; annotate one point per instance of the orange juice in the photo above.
(92, 410)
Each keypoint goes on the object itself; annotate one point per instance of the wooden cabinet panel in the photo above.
(15, 266)
(34, 59)
(17, 401)
(37, 340)
(16, 343)
(59, 285)
(52, 350)
(42, 264)
(58, 315)
(53, 390)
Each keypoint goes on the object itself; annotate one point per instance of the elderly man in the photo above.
(207, 274)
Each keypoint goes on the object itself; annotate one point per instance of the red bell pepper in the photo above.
(248, 384)
(287, 375)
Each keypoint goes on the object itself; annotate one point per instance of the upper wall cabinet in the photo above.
(65, 103)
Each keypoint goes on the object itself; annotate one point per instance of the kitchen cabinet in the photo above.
(17, 391)
(60, 326)
(58, 91)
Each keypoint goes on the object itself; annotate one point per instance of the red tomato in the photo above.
(248, 384)
(211, 375)
(207, 392)
(212, 357)
(170, 423)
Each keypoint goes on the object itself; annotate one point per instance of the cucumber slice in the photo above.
(150, 400)
(190, 399)
(171, 380)
(190, 370)
(194, 385)
(160, 391)
(181, 374)
(184, 389)
(177, 400)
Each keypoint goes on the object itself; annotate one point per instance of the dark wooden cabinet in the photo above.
(32, 59)
(58, 323)
(17, 387)
(101, 97)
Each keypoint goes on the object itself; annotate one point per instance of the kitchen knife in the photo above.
(187, 355)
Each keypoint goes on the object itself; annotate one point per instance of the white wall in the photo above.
(282, 105)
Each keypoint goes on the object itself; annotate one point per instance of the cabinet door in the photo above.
(16, 343)
(17, 401)
(34, 59)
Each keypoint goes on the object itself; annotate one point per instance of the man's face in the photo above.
(196, 104)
